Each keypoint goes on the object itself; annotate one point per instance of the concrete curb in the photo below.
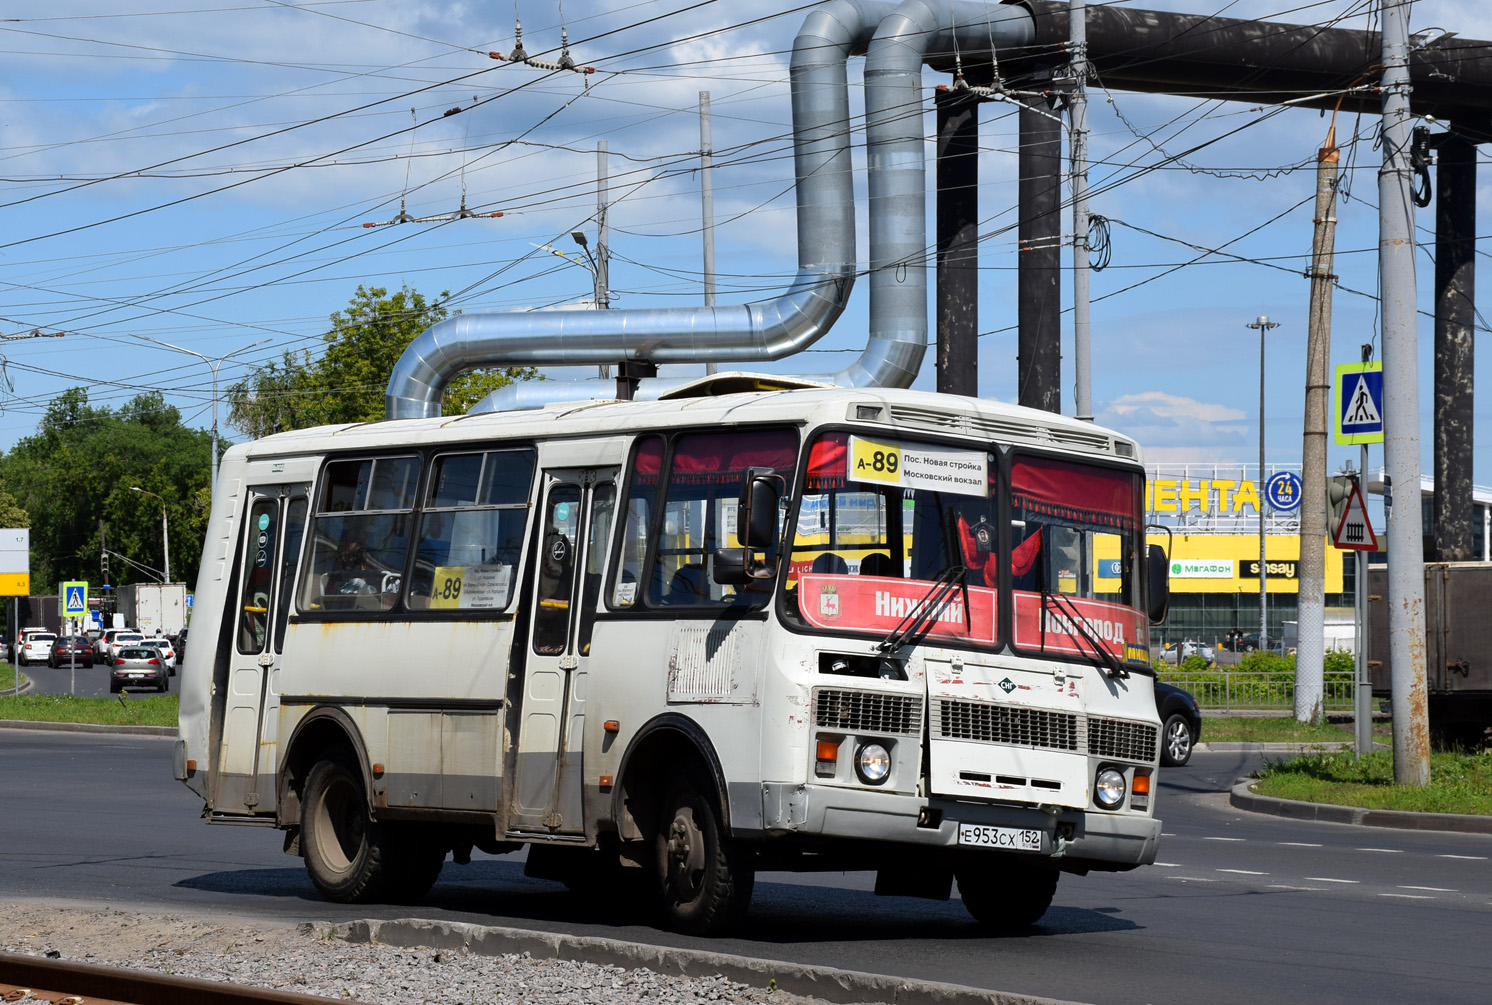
(829, 984)
(87, 727)
(1239, 746)
(1243, 799)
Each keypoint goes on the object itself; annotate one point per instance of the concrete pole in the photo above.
(1077, 15)
(1039, 238)
(1401, 454)
(1310, 650)
(707, 202)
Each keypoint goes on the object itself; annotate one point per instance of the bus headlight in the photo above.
(873, 763)
(1108, 788)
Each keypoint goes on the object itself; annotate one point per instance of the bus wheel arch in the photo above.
(663, 745)
(323, 730)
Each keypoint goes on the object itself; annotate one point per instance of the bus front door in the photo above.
(575, 529)
(268, 550)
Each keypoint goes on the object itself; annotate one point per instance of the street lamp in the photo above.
(1263, 324)
(165, 529)
(214, 364)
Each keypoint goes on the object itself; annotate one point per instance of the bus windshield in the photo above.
(883, 520)
(880, 523)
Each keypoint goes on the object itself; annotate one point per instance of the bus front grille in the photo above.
(1012, 724)
(1132, 741)
(864, 712)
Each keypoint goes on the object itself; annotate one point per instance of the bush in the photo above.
(1339, 661)
(1268, 663)
(1194, 663)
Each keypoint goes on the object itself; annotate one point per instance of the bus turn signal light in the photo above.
(1141, 783)
(611, 726)
(826, 759)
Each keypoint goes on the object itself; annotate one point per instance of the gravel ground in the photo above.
(306, 959)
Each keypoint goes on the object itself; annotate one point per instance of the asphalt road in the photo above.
(1241, 908)
(85, 682)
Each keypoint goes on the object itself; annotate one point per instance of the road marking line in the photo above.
(1286, 886)
(1386, 851)
(1432, 889)
(1328, 879)
(1192, 879)
(1168, 865)
(1245, 872)
(1299, 844)
(1223, 839)
(1468, 858)
(1405, 896)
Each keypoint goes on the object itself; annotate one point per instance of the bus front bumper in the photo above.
(1098, 839)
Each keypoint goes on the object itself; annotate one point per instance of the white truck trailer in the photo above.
(154, 608)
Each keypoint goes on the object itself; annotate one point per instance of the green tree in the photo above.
(80, 467)
(346, 383)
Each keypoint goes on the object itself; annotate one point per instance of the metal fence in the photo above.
(1227, 689)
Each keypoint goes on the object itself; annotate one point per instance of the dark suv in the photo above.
(71, 649)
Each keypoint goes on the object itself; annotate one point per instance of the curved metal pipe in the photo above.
(764, 331)
(914, 33)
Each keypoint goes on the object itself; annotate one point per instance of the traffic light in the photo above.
(1338, 493)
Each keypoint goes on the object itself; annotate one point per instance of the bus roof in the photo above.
(904, 411)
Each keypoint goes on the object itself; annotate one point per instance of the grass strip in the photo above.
(1459, 783)
(1270, 729)
(156, 710)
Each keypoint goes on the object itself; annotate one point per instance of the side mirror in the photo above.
(1158, 582)
(756, 527)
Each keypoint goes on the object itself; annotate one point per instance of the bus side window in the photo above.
(258, 575)
(642, 497)
(360, 535)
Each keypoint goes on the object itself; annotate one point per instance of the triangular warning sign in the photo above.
(74, 598)
(1355, 533)
(1362, 410)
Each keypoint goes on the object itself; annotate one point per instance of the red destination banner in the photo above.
(874, 604)
(1113, 626)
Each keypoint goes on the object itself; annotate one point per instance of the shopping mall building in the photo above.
(1212, 512)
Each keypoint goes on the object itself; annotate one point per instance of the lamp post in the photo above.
(1263, 324)
(214, 364)
(165, 529)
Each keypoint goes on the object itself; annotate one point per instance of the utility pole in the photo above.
(601, 273)
(1077, 13)
(1263, 325)
(1310, 652)
(707, 202)
(1401, 454)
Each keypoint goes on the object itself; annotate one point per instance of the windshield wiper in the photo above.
(931, 604)
(1111, 664)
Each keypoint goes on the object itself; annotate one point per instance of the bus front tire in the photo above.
(704, 878)
(1006, 898)
(352, 858)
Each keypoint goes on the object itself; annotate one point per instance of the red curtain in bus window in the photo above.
(1076, 492)
(826, 461)
(710, 456)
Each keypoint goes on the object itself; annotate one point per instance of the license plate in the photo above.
(1009, 838)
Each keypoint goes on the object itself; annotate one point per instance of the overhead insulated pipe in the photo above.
(900, 39)
(762, 331)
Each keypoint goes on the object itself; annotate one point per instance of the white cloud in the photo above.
(1173, 406)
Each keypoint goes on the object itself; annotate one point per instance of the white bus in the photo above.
(681, 641)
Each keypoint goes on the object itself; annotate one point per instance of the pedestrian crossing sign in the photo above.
(74, 599)
(1359, 402)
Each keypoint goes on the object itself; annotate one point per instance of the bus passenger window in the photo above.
(642, 497)
(556, 570)
(360, 535)
(471, 533)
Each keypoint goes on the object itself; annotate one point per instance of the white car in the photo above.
(1186, 649)
(167, 651)
(20, 640)
(37, 648)
(121, 640)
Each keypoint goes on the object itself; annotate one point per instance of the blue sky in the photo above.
(201, 176)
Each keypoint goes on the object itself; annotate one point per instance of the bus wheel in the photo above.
(704, 878)
(348, 854)
(1007, 898)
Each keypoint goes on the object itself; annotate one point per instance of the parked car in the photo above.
(118, 641)
(37, 648)
(1168, 653)
(1181, 723)
(71, 649)
(168, 653)
(138, 665)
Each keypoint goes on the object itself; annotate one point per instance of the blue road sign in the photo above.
(189, 601)
(1283, 491)
(1359, 397)
(74, 599)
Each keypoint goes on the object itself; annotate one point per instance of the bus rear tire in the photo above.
(1007, 897)
(350, 857)
(704, 878)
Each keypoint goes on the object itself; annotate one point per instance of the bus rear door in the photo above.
(269, 549)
